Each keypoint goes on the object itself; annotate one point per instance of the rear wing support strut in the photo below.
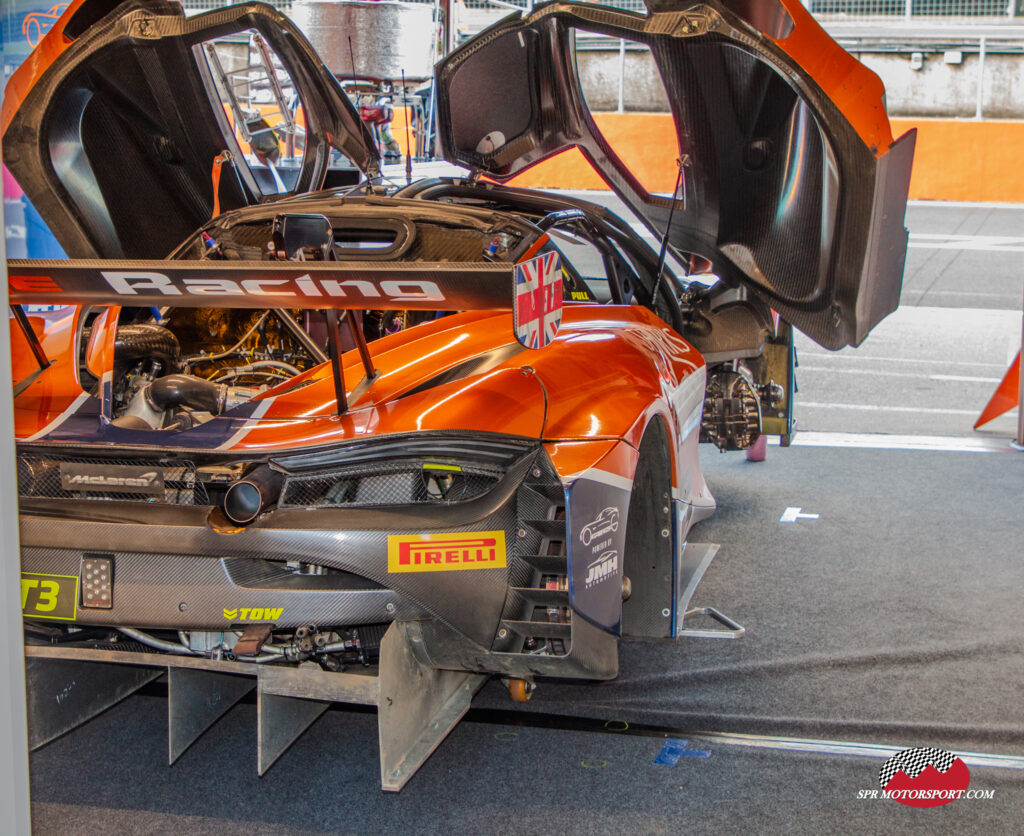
(30, 336)
(334, 353)
(37, 349)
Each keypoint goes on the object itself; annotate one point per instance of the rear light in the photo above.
(97, 582)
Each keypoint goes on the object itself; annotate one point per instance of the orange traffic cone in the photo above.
(1005, 397)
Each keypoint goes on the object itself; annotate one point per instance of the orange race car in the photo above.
(486, 463)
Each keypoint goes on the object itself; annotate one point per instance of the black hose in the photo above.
(185, 390)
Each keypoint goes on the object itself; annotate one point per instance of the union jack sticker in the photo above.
(538, 309)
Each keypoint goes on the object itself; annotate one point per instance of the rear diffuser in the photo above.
(417, 706)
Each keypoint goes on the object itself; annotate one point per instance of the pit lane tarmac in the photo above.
(559, 722)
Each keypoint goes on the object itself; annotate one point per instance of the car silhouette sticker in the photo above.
(36, 24)
(607, 522)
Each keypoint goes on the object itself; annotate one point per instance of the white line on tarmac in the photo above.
(844, 747)
(972, 294)
(965, 378)
(882, 373)
(956, 236)
(929, 241)
(893, 441)
(818, 355)
(870, 407)
(974, 246)
(963, 204)
(592, 194)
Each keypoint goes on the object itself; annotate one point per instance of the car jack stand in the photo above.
(417, 706)
(732, 629)
(695, 560)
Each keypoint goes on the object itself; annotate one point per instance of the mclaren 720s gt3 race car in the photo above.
(374, 444)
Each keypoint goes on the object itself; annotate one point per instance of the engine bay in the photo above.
(179, 367)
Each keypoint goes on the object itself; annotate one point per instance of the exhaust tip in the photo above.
(242, 502)
(245, 500)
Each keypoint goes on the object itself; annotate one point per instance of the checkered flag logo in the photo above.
(913, 762)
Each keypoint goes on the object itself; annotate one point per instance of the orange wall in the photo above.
(966, 160)
(646, 142)
(955, 159)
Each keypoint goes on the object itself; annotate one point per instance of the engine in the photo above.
(187, 366)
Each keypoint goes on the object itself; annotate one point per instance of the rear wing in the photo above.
(337, 285)
(531, 289)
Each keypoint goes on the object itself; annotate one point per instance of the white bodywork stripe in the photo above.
(250, 424)
(692, 422)
(869, 407)
(60, 419)
(605, 477)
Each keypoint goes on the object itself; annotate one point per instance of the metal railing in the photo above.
(824, 10)
(853, 10)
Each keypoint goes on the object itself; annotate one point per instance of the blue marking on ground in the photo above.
(674, 749)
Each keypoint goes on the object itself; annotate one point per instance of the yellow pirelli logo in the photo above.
(446, 552)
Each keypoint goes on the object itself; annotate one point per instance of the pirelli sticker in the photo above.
(446, 552)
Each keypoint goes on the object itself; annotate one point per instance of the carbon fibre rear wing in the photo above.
(337, 285)
(531, 289)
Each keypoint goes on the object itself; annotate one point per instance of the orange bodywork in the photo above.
(853, 88)
(53, 44)
(608, 373)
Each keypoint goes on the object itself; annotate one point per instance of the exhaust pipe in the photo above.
(247, 499)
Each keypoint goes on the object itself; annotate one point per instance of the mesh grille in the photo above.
(402, 483)
(39, 476)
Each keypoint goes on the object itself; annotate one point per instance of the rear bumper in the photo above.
(187, 592)
(173, 569)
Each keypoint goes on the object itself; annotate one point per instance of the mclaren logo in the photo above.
(147, 283)
(253, 614)
(113, 478)
(146, 480)
(446, 552)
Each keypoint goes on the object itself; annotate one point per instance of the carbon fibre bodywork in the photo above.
(789, 175)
